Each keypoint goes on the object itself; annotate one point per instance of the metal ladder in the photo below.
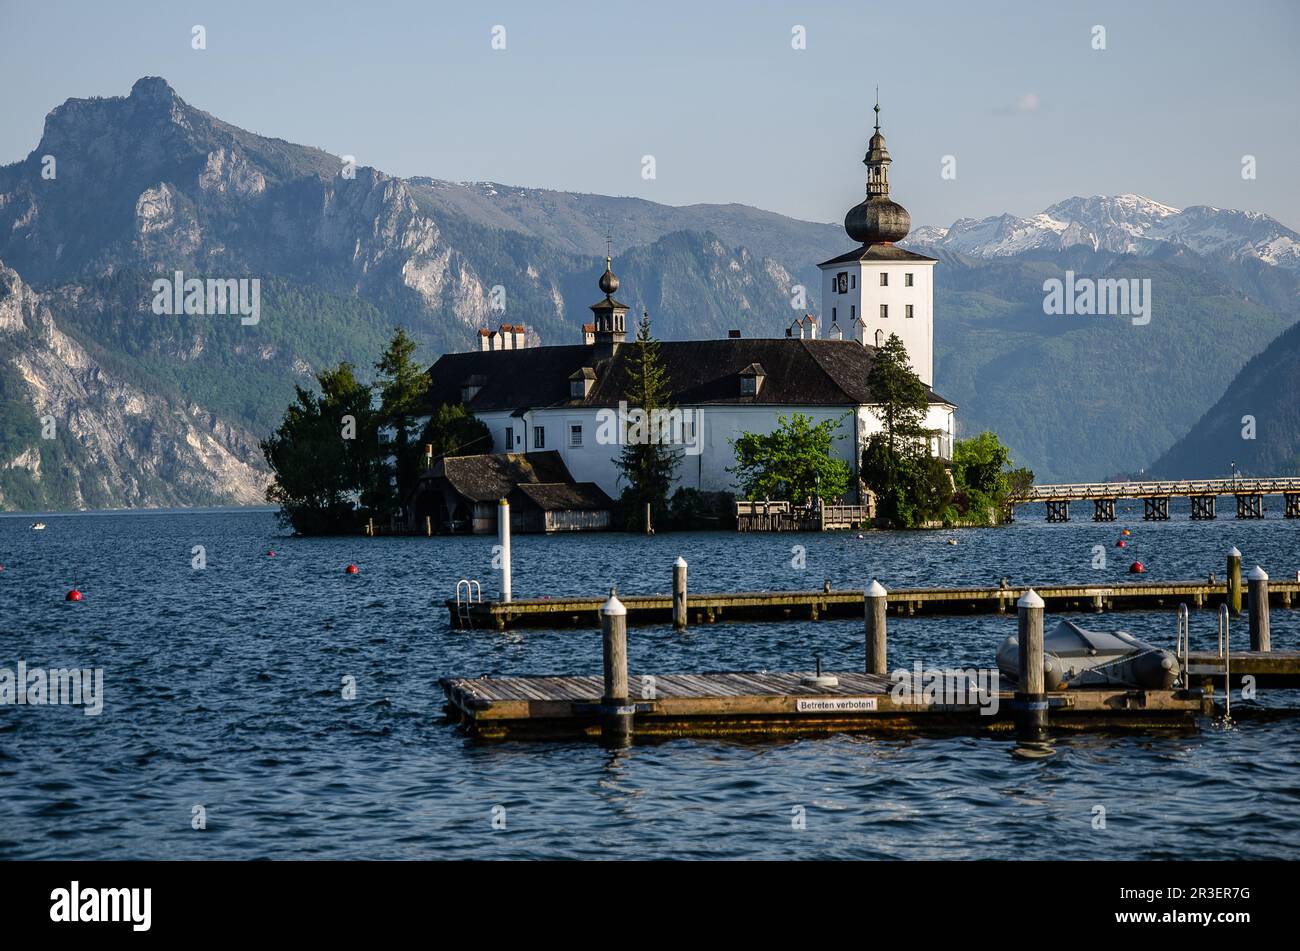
(1225, 655)
(473, 595)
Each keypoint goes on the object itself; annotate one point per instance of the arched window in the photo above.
(880, 338)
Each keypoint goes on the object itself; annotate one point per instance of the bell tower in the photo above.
(611, 316)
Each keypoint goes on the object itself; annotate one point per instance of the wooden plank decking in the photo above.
(767, 703)
(706, 608)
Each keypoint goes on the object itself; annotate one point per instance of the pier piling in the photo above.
(1258, 592)
(1234, 581)
(503, 541)
(875, 601)
(679, 594)
(615, 712)
(1031, 698)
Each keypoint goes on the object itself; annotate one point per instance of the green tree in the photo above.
(793, 462)
(898, 397)
(402, 384)
(453, 430)
(324, 454)
(981, 470)
(646, 462)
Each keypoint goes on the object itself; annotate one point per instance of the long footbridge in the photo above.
(1155, 496)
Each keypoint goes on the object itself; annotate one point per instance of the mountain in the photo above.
(96, 439)
(1123, 224)
(1266, 393)
(146, 185)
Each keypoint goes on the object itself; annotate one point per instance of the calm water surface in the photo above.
(223, 689)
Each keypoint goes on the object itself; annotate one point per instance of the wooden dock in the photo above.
(760, 703)
(768, 516)
(582, 611)
(1268, 668)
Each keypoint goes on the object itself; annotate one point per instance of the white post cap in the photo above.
(680, 562)
(505, 504)
(1030, 599)
(1234, 553)
(613, 607)
(1257, 574)
(877, 590)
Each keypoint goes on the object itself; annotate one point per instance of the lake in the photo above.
(223, 691)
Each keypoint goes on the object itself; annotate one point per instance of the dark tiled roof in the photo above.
(798, 373)
(876, 252)
(567, 496)
(493, 476)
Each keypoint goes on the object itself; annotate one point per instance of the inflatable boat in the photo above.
(1073, 657)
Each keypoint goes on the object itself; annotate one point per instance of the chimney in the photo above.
(835, 333)
(507, 335)
(733, 334)
(812, 326)
(484, 339)
(428, 455)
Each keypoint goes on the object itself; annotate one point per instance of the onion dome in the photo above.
(877, 219)
(608, 282)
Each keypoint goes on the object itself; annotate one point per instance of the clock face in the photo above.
(843, 281)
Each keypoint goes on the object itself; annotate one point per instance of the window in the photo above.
(884, 311)
(539, 437)
(853, 280)
(907, 280)
(748, 386)
(575, 436)
(853, 311)
(832, 315)
(880, 338)
(907, 311)
(510, 439)
(884, 278)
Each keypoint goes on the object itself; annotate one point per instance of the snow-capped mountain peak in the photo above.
(1126, 224)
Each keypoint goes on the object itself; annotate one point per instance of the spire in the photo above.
(608, 283)
(877, 219)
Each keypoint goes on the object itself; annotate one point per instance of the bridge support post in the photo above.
(1103, 510)
(1203, 507)
(1293, 504)
(1058, 510)
(1250, 505)
(1155, 508)
(1258, 589)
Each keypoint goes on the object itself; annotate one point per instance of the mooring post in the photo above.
(616, 712)
(1031, 699)
(874, 602)
(1234, 582)
(1258, 594)
(679, 594)
(503, 543)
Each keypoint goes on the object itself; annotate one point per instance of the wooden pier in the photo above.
(760, 703)
(768, 516)
(584, 611)
(1155, 496)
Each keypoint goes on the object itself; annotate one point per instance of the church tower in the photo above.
(879, 289)
(611, 316)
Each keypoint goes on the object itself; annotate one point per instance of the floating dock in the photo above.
(581, 611)
(761, 703)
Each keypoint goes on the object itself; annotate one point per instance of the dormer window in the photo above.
(470, 388)
(581, 382)
(751, 379)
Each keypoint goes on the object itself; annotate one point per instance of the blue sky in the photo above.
(715, 92)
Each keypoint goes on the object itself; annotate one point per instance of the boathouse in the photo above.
(462, 494)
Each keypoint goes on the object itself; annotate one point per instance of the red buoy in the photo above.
(73, 595)
(1121, 544)
(1137, 568)
(351, 569)
(270, 554)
